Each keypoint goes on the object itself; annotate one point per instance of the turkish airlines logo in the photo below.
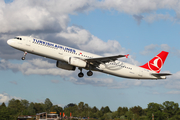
(155, 64)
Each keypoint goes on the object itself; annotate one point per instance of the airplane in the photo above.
(69, 58)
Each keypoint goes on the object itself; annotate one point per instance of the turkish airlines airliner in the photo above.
(69, 58)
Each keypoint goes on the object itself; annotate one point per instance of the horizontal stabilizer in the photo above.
(160, 74)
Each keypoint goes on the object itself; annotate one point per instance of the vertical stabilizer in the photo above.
(156, 63)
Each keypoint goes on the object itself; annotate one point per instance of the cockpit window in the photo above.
(18, 38)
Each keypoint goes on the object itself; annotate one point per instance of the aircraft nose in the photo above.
(10, 42)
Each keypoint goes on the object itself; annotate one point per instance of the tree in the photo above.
(99, 114)
(3, 105)
(56, 108)
(107, 110)
(122, 111)
(137, 110)
(156, 109)
(25, 103)
(15, 107)
(39, 107)
(94, 109)
(81, 106)
(72, 110)
(102, 110)
(170, 108)
(70, 105)
(129, 115)
(115, 114)
(31, 110)
(108, 115)
(47, 104)
(4, 113)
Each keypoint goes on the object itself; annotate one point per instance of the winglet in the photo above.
(126, 55)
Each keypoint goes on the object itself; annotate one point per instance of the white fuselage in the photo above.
(62, 53)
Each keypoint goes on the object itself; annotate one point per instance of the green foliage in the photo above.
(157, 110)
(47, 105)
(168, 110)
(31, 109)
(137, 110)
(122, 111)
(4, 113)
(56, 108)
(108, 115)
(39, 107)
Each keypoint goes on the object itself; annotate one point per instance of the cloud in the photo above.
(4, 97)
(84, 40)
(148, 49)
(173, 92)
(31, 67)
(35, 66)
(113, 84)
(40, 17)
(36, 17)
(156, 17)
(55, 81)
(138, 7)
(13, 82)
(138, 18)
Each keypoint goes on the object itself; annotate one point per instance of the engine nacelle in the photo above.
(65, 65)
(77, 62)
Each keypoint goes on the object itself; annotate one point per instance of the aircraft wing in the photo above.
(160, 74)
(100, 60)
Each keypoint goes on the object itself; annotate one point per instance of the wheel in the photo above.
(80, 74)
(23, 58)
(89, 73)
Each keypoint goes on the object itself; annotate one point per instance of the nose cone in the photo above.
(10, 42)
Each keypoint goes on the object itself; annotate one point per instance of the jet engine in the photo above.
(65, 65)
(77, 62)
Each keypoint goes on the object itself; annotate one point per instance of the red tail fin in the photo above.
(156, 63)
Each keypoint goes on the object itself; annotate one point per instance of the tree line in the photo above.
(168, 110)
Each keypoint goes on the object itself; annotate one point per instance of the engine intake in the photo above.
(65, 65)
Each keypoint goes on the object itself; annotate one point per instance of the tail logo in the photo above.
(155, 64)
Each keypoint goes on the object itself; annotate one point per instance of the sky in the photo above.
(104, 27)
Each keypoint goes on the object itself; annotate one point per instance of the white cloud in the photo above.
(173, 92)
(53, 16)
(40, 15)
(138, 6)
(4, 97)
(31, 67)
(165, 47)
(148, 49)
(88, 42)
(155, 17)
(13, 82)
(55, 81)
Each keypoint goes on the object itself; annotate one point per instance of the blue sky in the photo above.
(109, 27)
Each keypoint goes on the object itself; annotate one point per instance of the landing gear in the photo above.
(80, 74)
(89, 73)
(25, 53)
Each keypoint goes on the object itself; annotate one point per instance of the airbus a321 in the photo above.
(69, 59)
